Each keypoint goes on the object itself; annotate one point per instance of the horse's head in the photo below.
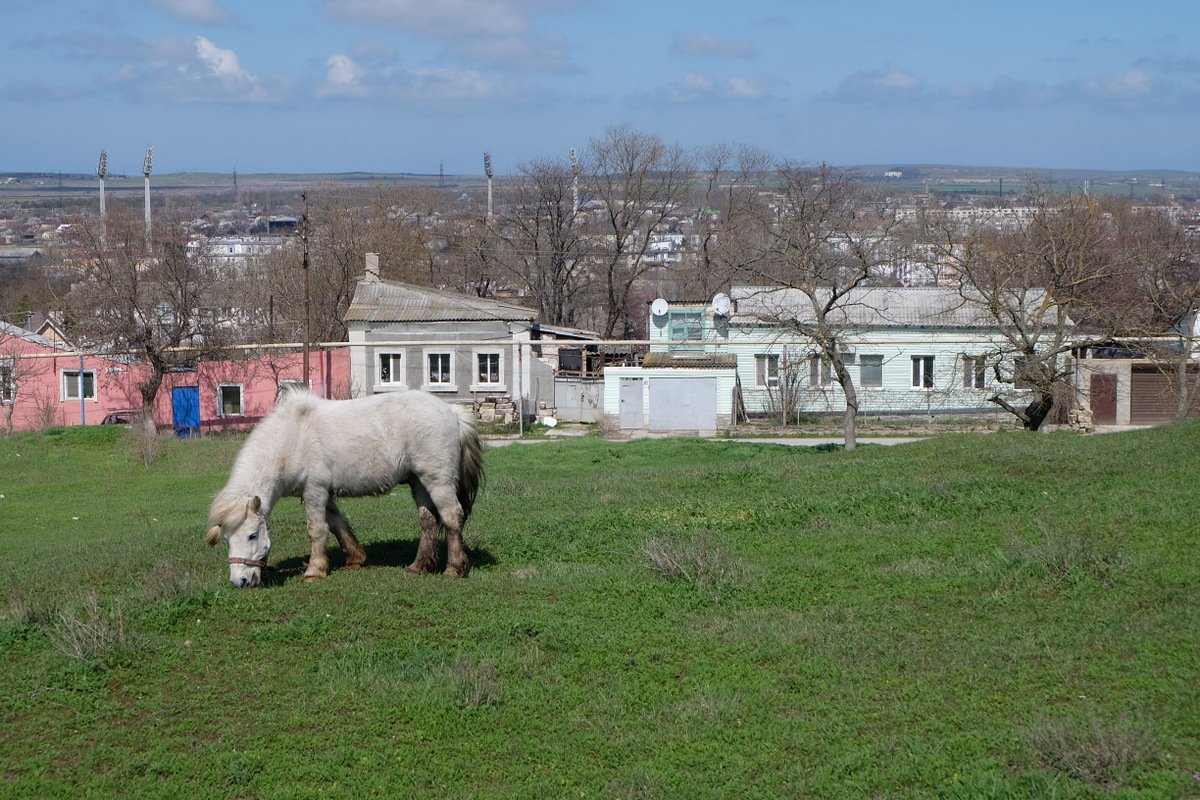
(245, 527)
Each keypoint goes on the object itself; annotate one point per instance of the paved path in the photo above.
(791, 441)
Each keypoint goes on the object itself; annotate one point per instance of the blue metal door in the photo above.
(185, 410)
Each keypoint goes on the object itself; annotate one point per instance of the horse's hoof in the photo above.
(354, 566)
(457, 572)
(312, 578)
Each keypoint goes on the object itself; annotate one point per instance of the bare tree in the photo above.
(639, 180)
(1026, 276)
(143, 295)
(1153, 302)
(820, 237)
(733, 180)
(538, 238)
(343, 226)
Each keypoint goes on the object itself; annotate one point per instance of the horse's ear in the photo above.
(255, 504)
(213, 536)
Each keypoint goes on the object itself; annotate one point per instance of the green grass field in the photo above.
(972, 616)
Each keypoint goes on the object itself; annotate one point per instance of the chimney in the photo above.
(372, 274)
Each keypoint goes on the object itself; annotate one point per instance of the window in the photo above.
(229, 400)
(766, 370)
(390, 369)
(488, 370)
(820, 372)
(871, 372)
(70, 385)
(7, 385)
(686, 326)
(974, 372)
(922, 372)
(439, 370)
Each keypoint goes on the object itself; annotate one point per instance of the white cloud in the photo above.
(1130, 84)
(220, 62)
(343, 78)
(441, 19)
(232, 81)
(205, 12)
(706, 44)
(695, 87)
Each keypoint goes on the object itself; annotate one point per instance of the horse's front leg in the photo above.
(315, 501)
(355, 555)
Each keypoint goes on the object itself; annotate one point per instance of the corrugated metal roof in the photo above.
(392, 301)
(878, 307)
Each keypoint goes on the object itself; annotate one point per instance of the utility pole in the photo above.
(307, 299)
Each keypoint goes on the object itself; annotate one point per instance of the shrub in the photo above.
(91, 634)
(1091, 749)
(696, 560)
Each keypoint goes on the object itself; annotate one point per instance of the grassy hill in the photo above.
(1001, 615)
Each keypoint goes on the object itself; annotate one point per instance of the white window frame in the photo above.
(974, 372)
(65, 386)
(923, 372)
(862, 375)
(442, 386)
(820, 372)
(241, 400)
(396, 359)
(478, 385)
(766, 370)
(8, 384)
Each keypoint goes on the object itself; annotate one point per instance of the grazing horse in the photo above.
(319, 450)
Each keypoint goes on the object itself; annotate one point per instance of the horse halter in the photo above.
(261, 563)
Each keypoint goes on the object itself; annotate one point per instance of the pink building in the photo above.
(45, 384)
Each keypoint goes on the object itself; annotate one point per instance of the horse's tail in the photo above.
(470, 462)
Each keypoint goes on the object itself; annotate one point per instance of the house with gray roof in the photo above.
(460, 347)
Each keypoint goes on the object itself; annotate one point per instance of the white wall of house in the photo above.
(880, 362)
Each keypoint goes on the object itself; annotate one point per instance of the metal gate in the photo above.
(1104, 399)
(683, 404)
(185, 410)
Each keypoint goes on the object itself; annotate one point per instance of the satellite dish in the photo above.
(721, 304)
(659, 307)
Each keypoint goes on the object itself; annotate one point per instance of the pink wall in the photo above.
(40, 402)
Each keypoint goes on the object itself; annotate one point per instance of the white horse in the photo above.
(319, 449)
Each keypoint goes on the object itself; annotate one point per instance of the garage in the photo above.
(1154, 397)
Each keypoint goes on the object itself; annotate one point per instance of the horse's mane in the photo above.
(227, 509)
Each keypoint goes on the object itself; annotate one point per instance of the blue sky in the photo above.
(418, 85)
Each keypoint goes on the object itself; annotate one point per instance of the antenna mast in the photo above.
(147, 165)
(487, 170)
(574, 181)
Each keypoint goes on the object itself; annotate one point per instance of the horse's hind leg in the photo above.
(340, 526)
(450, 514)
(426, 559)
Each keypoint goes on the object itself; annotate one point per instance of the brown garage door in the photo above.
(1154, 397)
